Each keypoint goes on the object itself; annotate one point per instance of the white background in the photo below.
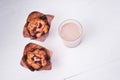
(96, 58)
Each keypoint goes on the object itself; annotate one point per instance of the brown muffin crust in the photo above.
(36, 57)
(37, 26)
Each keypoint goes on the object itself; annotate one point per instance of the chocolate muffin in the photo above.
(37, 26)
(36, 57)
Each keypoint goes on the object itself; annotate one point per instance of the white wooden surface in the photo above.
(96, 58)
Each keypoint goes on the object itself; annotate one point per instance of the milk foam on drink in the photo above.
(70, 31)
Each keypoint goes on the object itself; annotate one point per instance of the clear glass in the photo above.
(73, 37)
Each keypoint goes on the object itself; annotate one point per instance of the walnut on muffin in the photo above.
(36, 57)
(37, 26)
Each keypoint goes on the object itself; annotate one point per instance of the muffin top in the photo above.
(35, 57)
(37, 25)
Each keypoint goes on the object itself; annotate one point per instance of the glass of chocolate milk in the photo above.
(70, 32)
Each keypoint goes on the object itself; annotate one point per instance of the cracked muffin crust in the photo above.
(37, 26)
(36, 57)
